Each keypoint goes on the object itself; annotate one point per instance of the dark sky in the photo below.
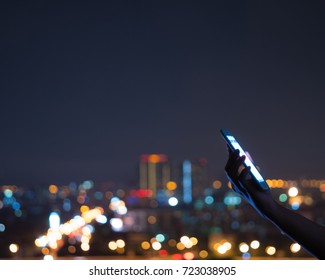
(88, 86)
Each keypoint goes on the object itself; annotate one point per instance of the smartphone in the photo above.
(234, 145)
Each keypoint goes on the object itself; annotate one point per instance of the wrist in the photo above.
(270, 209)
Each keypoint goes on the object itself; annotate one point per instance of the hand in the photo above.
(243, 184)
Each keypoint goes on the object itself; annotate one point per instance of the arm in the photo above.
(308, 234)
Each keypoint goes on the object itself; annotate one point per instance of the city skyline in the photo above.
(72, 221)
(88, 87)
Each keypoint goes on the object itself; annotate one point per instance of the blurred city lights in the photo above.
(232, 199)
(132, 213)
(246, 256)
(270, 250)
(2, 227)
(217, 184)
(295, 248)
(209, 200)
(13, 248)
(152, 220)
(171, 185)
(53, 189)
(8, 193)
(145, 245)
(255, 244)
(156, 245)
(173, 201)
(117, 224)
(120, 243)
(102, 219)
(283, 197)
(48, 258)
(293, 191)
(180, 246)
(160, 237)
(54, 221)
(203, 254)
(112, 245)
(222, 249)
(85, 246)
(243, 247)
(188, 256)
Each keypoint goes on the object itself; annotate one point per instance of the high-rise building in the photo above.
(194, 179)
(154, 172)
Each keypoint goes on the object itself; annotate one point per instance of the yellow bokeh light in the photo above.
(274, 183)
(13, 248)
(84, 208)
(217, 184)
(45, 251)
(216, 245)
(280, 183)
(171, 185)
(222, 249)
(152, 220)
(255, 244)
(41, 241)
(295, 248)
(180, 246)
(188, 256)
(194, 240)
(120, 250)
(53, 245)
(154, 158)
(85, 247)
(203, 254)
(53, 189)
(86, 231)
(227, 245)
(120, 243)
(270, 250)
(243, 247)
(85, 239)
(269, 182)
(112, 245)
(145, 245)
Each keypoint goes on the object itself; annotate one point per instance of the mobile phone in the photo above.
(234, 145)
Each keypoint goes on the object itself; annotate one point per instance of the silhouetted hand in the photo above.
(243, 184)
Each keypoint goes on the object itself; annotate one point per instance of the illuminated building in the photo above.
(154, 172)
(187, 181)
(194, 179)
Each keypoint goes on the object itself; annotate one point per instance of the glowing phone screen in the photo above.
(247, 161)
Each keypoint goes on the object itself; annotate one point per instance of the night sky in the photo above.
(88, 86)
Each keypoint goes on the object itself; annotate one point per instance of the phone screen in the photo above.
(235, 146)
(247, 161)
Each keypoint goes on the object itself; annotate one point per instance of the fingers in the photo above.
(234, 166)
(244, 174)
(233, 155)
(236, 171)
(245, 179)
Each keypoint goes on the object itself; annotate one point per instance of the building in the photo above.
(194, 179)
(154, 172)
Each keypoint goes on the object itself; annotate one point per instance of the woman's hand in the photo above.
(243, 184)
